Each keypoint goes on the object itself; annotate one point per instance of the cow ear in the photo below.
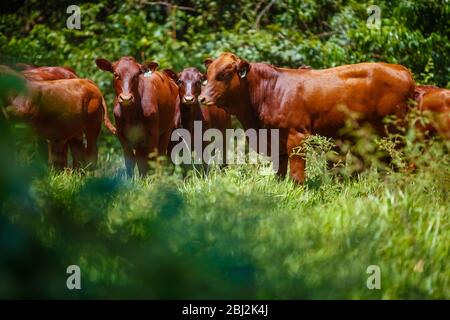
(23, 66)
(149, 66)
(104, 64)
(207, 62)
(243, 68)
(171, 74)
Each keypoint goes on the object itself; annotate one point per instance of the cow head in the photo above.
(126, 73)
(13, 85)
(189, 82)
(224, 80)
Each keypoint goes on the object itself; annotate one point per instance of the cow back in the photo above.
(49, 73)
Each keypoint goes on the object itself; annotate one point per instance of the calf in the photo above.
(189, 83)
(144, 109)
(305, 102)
(76, 144)
(61, 110)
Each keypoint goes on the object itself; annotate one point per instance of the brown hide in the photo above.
(304, 102)
(436, 101)
(144, 110)
(189, 83)
(60, 111)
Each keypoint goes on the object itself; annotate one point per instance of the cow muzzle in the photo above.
(205, 101)
(126, 99)
(188, 99)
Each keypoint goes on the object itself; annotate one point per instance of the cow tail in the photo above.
(108, 123)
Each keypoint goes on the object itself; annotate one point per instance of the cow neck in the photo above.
(260, 80)
(188, 115)
(24, 102)
(132, 113)
(242, 107)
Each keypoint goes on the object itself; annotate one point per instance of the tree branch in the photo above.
(167, 4)
(325, 34)
(260, 15)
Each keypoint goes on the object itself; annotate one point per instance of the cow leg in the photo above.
(142, 159)
(224, 149)
(150, 151)
(130, 162)
(91, 150)
(93, 127)
(58, 154)
(78, 151)
(43, 150)
(297, 162)
(127, 149)
(128, 156)
(283, 160)
(297, 169)
(163, 143)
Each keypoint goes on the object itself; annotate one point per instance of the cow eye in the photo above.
(204, 82)
(179, 82)
(116, 76)
(225, 76)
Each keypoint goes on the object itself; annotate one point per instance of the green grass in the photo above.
(237, 234)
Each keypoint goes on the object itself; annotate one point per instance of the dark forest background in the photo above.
(177, 34)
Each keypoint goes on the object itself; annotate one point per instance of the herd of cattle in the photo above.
(68, 111)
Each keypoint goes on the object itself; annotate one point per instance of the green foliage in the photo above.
(317, 33)
(232, 233)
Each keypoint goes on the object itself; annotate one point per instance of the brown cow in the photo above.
(13, 84)
(60, 110)
(144, 109)
(436, 101)
(305, 102)
(49, 73)
(76, 144)
(189, 83)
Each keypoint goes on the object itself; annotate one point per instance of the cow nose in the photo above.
(202, 99)
(189, 98)
(125, 97)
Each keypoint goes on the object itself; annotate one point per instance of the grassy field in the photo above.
(235, 233)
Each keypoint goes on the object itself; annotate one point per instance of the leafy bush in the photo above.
(232, 233)
(236, 234)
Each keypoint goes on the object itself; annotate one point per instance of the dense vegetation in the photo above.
(233, 233)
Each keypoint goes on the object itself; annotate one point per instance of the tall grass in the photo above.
(234, 233)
